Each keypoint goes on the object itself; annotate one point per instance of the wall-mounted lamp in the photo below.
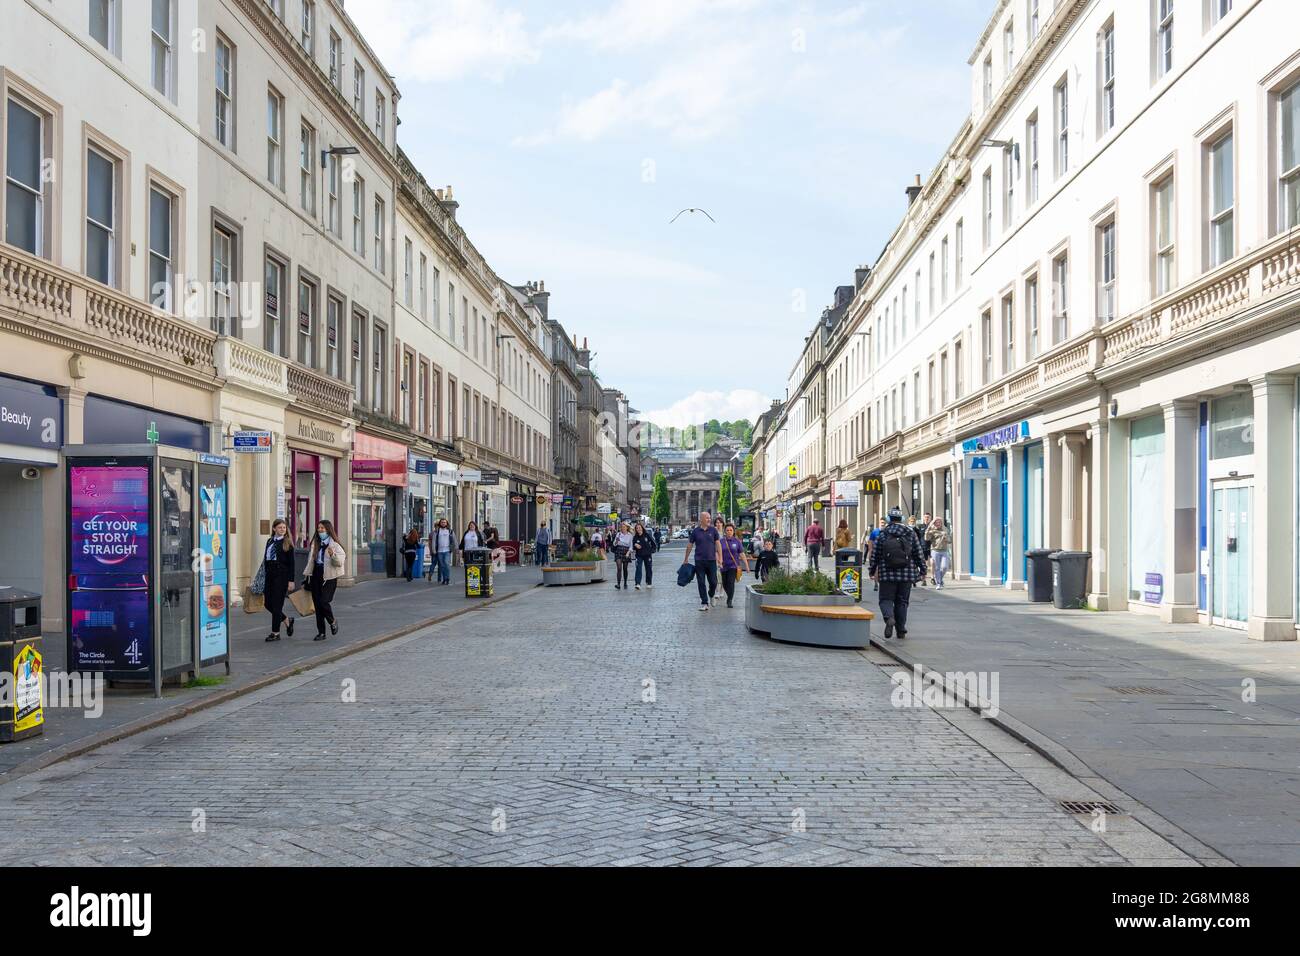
(1004, 144)
(337, 151)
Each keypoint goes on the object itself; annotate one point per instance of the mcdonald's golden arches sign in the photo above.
(873, 485)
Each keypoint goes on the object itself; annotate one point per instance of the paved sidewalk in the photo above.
(365, 612)
(1155, 709)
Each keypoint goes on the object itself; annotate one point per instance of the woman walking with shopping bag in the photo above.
(325, 561)
(277, 571)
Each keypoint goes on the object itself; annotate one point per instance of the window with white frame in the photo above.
(424, 286)
(307, 169)
(1288, 141)
(224, 120)
(1219, 9)
(275, 138)
(306, 337)
(1107, 270)
(357, 357)
(1060, 299)
(1032, 19)
(1008, 335)
(333, 336)
(451, 311)
(378, 366)
(986, 197)
(380, 227)
(959, 371)
(988, 81)
(1031, 157)
(986, 337)
(1162, 234)
(1061, 97)
(1009, 47)
(162, 43)
(275, 338)
(381, 116)
(1008, 188)
(1031, 318)
(162, 252)
(336, 61)
(359, 216)
(959, 243)
(1220, 190)
(1106, 75)
(224, 316)
(943, 265)
(433, 305)
(101, 216)
(359, 89)
(308, 35)
(932, 290)
(408, 274)
(104, 24)
(1164, 21)
(333, 206)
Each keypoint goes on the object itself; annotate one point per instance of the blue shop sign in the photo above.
(31, 415)
(1006, 435)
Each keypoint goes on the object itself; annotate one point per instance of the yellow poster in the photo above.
(473, 581)
(28, 706)
(851, 582)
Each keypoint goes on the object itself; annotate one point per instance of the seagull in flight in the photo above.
(692, 209)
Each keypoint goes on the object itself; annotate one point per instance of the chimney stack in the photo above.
(860, 276)
(449, 204)
(913, 190)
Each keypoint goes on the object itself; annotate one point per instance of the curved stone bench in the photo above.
(756, 600)
(558, 575)
(824, 626)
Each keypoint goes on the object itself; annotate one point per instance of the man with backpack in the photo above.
(896, 564)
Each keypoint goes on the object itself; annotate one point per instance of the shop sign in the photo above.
(1155, 588)
(252, 443)
(603, 508)
(794, 471)
(1006, 435)
(425, 466)
(367, 469)
(846, 494)
(979, 466)
(817, 506)
(445, 476)
(566, 501)
(206, 459)
(873, 485)
(470, 475)
(31, 419)
(516, 499)
(489, 478)
(279, 502)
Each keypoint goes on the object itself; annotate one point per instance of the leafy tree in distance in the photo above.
(660, 510)
(727, 495)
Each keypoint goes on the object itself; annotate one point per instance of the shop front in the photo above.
(522, 511)
(378, 492)
(31, 432)
(312, 490)
(1004, 508)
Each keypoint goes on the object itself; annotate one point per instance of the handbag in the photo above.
(259, 580)
(301, 600)
(685, 574)
(253, 603)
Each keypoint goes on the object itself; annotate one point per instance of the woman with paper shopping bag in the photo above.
(325, 561)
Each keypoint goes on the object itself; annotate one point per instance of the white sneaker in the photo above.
(638, 587)
(704, 607)
(649, 586)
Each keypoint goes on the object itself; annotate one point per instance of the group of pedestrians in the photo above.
(326, 560)
(634, 543)
(719, 554)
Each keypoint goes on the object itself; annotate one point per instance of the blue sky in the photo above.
(573, 132)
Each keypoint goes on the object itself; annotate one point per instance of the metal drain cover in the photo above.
(1087, 807)
(1153, 691)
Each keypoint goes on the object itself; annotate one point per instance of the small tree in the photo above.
(727, 495)
(660, 510)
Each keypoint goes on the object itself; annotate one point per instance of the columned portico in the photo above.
(1071, 497)
(1178, 605)
(1272, 606)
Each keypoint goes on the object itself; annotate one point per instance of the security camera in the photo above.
(31, 474)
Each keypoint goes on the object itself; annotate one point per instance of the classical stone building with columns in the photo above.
(1085, 332)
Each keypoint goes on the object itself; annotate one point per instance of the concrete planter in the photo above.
(597, 570)
(563, 574)
(759, 623)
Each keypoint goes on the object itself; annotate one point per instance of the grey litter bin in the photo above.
(478, 572)
(1039, 582)
(22, 712)
(1070, 578)
(848, 572)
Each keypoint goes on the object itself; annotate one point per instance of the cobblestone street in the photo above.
(522, 734)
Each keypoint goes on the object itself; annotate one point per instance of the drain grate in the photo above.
(1150, 691)
(1087, 807)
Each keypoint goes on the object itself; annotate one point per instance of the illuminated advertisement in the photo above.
(214, 593)
(108, 569)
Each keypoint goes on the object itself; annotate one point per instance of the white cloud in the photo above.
(439, 40)
(628, 24)
(699, 407)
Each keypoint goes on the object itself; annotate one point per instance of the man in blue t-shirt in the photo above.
(707, 544)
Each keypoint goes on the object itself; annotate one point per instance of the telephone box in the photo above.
(148, 582)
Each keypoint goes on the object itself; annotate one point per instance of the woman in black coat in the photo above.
(277, 559)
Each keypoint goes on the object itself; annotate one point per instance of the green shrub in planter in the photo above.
(585, 555)
(807, 582)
